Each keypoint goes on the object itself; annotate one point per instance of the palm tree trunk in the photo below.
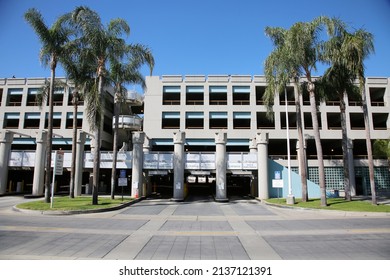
(368, 144)
(347, 187)
(74, 139)
(48, 177)
(115, 144)
(302, 159)
(96, 162)
(317, 139)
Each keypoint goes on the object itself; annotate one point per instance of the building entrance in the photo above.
(238, 185)
(200, 185)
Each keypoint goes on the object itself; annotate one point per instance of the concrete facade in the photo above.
(22, 117)
(195, 127)
(204, 106)
(378, 99)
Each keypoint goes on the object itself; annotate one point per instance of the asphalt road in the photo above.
(199, 228)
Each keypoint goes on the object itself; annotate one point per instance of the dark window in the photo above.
(14, 97)
(194, 95)
(241, 95)
(170, 120)
(218, 95)
(11, 120)
(171, 95)
(194, 120)
(32, 120)
(264, 121)
(260, 90)
(218, 120)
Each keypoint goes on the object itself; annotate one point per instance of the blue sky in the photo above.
(194, 37)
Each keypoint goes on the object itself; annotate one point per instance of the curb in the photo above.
(76, 212)
(345, 213)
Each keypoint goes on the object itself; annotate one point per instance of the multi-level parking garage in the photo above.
(199, 134)
(202, 106)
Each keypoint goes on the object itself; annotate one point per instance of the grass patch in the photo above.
(336, 204)
(65, 203)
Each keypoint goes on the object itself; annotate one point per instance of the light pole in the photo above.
(290, 197)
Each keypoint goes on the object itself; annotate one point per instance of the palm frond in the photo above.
(35, 19)
(44, 91)
(118, 27)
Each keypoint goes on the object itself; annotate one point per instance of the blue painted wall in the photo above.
(313, 189)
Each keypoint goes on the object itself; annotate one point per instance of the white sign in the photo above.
(202, 179)
(191, 165)
(122, 182)
(150, 161)
(158, 172)
(165, 161)
(277, 184)
(59, 163)
(58, 170)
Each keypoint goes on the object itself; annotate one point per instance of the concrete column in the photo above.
(147, 182)
(262, 164)
(299, 156)
(5, 152)
(220, 167)
(253, 181)
(40, 161)
(80, 142)
(178, 166)
(351, 167)
(252, 146)
(137, 166)
(146, 147)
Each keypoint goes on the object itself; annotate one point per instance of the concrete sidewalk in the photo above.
(161, 229)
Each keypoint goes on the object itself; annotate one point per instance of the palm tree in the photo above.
(287, 63)
(79, 70)
(279, 72)
(336, 83)
(347, 51)
(102, 43)
(304, 45)
(356, 47)
(122, 73)
(53, 40)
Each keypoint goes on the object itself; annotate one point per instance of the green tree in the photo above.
(280, 71)
(301, 44)
(121, 73)
(79, 70)
(382, 148)
(102, 43)
(305, 45)
(53, 40)
(336, 83)
(355, 48)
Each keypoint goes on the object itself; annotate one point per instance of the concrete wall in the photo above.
(313, 189)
